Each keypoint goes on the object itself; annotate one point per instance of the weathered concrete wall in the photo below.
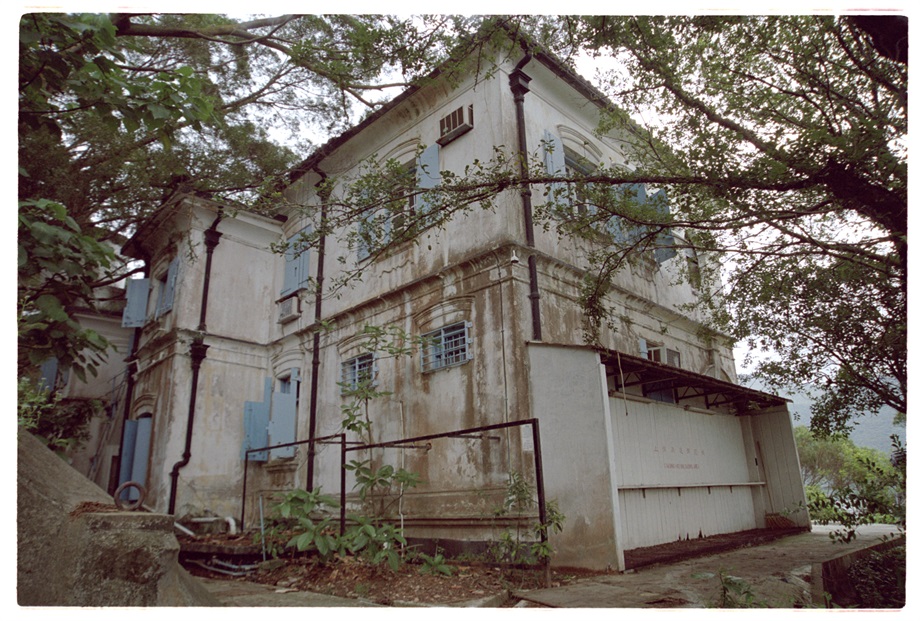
(568, 390)
(90, 559)
(832, 578)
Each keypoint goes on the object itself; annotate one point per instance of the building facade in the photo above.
(644, 439)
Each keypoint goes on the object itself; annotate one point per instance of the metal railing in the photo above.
(407, 442)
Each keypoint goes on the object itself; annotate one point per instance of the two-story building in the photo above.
(644, 439)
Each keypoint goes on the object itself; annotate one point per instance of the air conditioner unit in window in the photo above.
(288, 309)
(456, 124)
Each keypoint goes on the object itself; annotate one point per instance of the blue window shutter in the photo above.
(636, 193)
(290, 271)
(428, 174)
(387, 228)
(643, 349)
(168, 295)
(659, 200)
(283, 425)
(141, 454)
(553, 154)
(363, 250)
(136, 292)
(49, 373)
(255, 425)
(127, 452)
(364, 245)
(303, 265)
(296, 264)
(665, 248)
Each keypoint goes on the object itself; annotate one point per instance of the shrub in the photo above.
(878, 579)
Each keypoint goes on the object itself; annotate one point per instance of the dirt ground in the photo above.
(354, 578)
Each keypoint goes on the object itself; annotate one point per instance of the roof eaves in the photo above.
(551, 61)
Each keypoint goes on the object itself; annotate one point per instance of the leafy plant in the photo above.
(371, 536)
(61, 424)
(300, 521)
(435, 565)
(879, 579)
(734, 592)
(370, 481)
(377, 543)
(873, 491)
(524, 545)
(59, 264)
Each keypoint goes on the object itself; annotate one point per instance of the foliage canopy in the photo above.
(779, 141)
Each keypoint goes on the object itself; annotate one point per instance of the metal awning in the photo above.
(629, 371)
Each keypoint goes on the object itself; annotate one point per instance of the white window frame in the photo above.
(446, 347)
(579, 166)
(356, 370)
(657, 352)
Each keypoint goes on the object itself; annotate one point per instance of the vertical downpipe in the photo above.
(519, 87)
(198, 352)
(317, 316)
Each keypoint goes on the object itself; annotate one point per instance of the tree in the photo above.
(118, 111)
(58, 265)
(834, 462)
(785, 152)
(849, 484)
(781, 152)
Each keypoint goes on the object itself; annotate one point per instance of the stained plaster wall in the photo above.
(237, 333)
(456, 265)
(463, 272)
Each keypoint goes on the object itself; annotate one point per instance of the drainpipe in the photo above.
(317, 316)
(518, 81)
(198, 352)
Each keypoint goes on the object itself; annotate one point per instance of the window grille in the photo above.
(446, 347)
(357, 370)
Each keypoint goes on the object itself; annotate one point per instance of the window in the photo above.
(694, 275)
(137, 294)
(656, 352)
(273, 420)
(446, 347)
(357, 371)
(166, 289)
(135, 452)
(296, 263)
(576, 166)
(404, 217)
(422, 173)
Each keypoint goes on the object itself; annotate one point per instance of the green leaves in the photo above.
(58, 265)
(306, 514)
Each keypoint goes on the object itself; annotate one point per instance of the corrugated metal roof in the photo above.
(631, 371)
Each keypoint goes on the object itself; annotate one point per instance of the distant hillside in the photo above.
(870, 431)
